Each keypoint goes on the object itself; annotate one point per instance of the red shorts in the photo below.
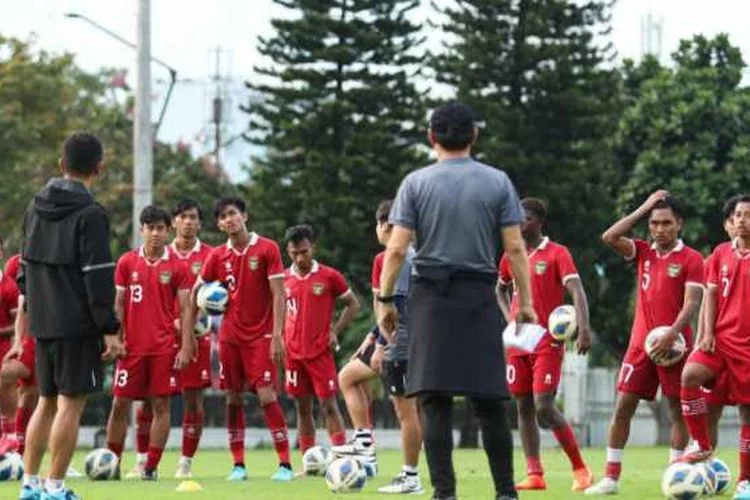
(538, 373)
(642, 377)
(727, 365)
(316, 376)
(27, 360)
(247, 366)
(718, 393)
(148, 376)
(197, 375)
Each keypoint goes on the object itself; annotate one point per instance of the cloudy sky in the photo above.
(185, 34)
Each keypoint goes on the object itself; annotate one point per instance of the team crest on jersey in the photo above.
(673, 270)
(318, 288)
(165, 277)
(253, 261)
(540, 267)
(196, 267)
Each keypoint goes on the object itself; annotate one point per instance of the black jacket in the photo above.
(68, 271)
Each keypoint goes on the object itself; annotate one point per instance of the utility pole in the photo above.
(217, 105)
(143, 139)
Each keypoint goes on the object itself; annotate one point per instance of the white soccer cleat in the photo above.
(184, 469)
(72, 473)
(606, 486)
(137, 471)
(403, 484)
(354, 448)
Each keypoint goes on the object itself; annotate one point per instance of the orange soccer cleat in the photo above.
(582, 479)
(532, 482)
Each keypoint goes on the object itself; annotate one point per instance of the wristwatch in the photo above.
(385, 300)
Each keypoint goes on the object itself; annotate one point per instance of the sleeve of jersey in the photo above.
(640, 247)
(712, 273)
(275, 268)
(504, 274)
(707, 268)
(186, 279)
(121, 273)
(340, 286)
(377, 268)
(208, 270)
(694, 275)
(565, 266)
(404, 212)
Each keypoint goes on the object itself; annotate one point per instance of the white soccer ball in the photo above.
(101, 464)
(674, 355)
(345, 475)
(202, 324)
(213, 298)
(11, 467)
(709, 488)
(316, 460)
(562, 323)
(683, 481)
(722, 475)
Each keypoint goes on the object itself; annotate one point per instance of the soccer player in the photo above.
(8, 308)
(670, 285)
(187, 219)
(310, 339)
(250, 336)
(723, 345)
(149, 280)
(533, 377)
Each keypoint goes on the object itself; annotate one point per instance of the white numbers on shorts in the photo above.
(292, 377)
(121, 378)
(136, 293)
(510, 373)
(626, 372)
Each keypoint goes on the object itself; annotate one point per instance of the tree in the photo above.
(339, 118)
(537, 77)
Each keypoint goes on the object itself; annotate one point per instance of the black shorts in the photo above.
(366, 355)
(394, 377)
(70, 367)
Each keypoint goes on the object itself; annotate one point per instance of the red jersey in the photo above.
(729, 272)
(550, 268)
(150, 292)
(377, 268)
(246, 274)
(8, 298)
(194, 259)
(310, 303)
(662, 280)
(13, 265)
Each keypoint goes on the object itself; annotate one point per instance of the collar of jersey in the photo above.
(142, 254)
(253, 236)
(677, 248)
(196, 248)
(736, 248)
(313, 269)
(541, 246)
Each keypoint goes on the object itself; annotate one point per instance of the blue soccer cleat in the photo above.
(238, 473)
(65, 494)
(283, 474)
(30, 493)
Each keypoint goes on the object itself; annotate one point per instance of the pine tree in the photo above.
(339, 119)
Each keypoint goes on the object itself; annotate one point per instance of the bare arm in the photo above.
(21, 324)
(120, 307)
(581, 304)
(690, 305)
(709, 319)
(616, 236)
(351, 309)
(187, 319)
(502, 292)
(395, 255)
(515, 249)
(279, 306)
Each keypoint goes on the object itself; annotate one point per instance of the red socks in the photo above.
(613, 470)
(143, 418)
(236, 428)
(276, 423)
(116, 448)
(567, 439)
(534, 466)
(8, 426)
(744, 453)
(306, 442)
(694, 410)
(337, 438)
(192, 428)
(153, 458)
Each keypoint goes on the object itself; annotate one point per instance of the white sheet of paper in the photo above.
(527, 339)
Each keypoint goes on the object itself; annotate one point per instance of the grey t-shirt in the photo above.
(399, 351)
(457, 209)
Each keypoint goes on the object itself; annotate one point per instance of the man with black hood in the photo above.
(68, 285)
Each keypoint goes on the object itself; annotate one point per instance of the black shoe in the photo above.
(149, 475)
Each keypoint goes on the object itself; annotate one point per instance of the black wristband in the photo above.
(385, 300)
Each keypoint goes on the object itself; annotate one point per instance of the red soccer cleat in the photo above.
(696, 456)
(532, 482)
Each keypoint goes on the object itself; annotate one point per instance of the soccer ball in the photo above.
(345, 475)
(101, 464)
(675, 354)
(562, 323)
(710, 475)
(213, 298)
(202, 324)
(722, 475)
(683, 481)
(11, 467)
(316, 460)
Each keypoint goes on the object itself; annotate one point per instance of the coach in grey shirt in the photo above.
(460, 211)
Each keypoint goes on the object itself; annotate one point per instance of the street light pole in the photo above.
(143, 138)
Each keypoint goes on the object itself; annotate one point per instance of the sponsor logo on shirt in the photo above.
(165, 277)
(540, 267)
(196, 267)
(253, 261)
(318, 288)
(673, 270)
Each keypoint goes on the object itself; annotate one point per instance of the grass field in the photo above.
(642, 471)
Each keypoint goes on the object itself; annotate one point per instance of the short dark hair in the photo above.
(297, 234)
(453, 126)
(741, 198)
(82, 153)
(383, 211)
(186, 204)
(153, 214)
(727, 211)
(672, 204)
(537, 206)
(226, 201)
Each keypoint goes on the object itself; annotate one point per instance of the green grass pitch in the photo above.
(642, 471)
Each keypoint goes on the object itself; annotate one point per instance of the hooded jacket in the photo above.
(68, 271)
